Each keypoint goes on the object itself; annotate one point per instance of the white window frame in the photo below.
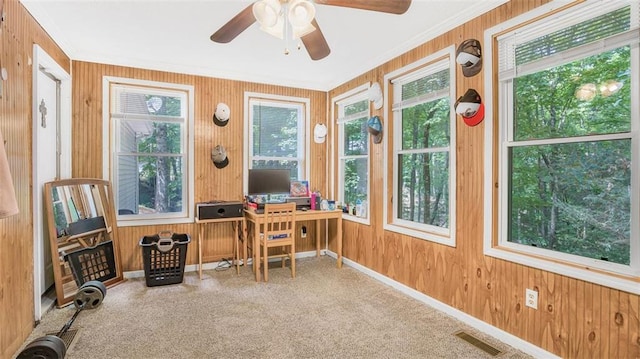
(304, 112)
(495, 242)
(109, 143)
(339, 102)
(446, 236)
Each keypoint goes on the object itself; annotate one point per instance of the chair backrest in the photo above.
(280, 220)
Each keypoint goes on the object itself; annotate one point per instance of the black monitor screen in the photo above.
(265, 181)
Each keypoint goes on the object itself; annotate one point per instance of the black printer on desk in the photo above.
(301, 202)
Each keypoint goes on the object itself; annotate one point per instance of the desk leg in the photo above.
(236, 252)
(250, 227)
(245, 238)
(200, 234)
(339, 234)
(256, 250)
(317, 238)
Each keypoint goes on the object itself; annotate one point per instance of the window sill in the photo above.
(361, 220)
(596, 276)
(155, 221)
(428, 236)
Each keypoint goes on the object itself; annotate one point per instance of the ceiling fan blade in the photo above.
(235, 26)
(389, 6)
(315, 43)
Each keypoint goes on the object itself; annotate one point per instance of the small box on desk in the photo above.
(254, 207)
(219, 209)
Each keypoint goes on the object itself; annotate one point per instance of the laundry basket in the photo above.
(164, 255)
(92, 263)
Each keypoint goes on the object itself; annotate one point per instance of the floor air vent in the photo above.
(478, 343)
(67, 337)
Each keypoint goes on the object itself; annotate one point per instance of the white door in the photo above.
(47, 154)
(51, 157)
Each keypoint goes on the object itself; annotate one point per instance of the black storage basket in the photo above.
(92, 263)
(164, 257)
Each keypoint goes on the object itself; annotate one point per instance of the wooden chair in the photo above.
(279, 231)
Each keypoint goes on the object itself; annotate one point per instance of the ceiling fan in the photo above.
(296, 18)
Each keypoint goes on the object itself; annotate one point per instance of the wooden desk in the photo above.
(238, 227)
(257, 219)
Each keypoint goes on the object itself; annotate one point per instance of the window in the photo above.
(423, 190)
(276, 128)
(568, 141)
(353, 152)
(151, 149)
(61, 214)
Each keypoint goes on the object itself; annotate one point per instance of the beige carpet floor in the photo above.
(324, 312)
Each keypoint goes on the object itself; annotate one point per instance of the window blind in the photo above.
(567, 36)
(422, 86)
(350, 101)
(353, 116)
(133, 104)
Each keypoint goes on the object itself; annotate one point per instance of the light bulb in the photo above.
(300, 12)
(586, 92)
(610, 87)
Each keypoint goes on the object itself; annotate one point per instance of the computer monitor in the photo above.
(269, 181)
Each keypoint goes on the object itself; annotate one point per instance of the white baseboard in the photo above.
(187, 268)
(214, 265)
(474, 322)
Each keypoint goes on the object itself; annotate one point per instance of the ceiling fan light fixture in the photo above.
(300, 31)
(267, 12)
(301, 13)
(276, 30)
(294, 13)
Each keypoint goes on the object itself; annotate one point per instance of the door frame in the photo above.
(42, 60)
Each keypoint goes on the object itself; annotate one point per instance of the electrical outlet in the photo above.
(531, 298)
(303, 232)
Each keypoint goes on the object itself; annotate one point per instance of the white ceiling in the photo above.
(173, 36)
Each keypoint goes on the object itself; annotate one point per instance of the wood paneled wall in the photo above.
(575, 319)
(210, 183)
(18, 33)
